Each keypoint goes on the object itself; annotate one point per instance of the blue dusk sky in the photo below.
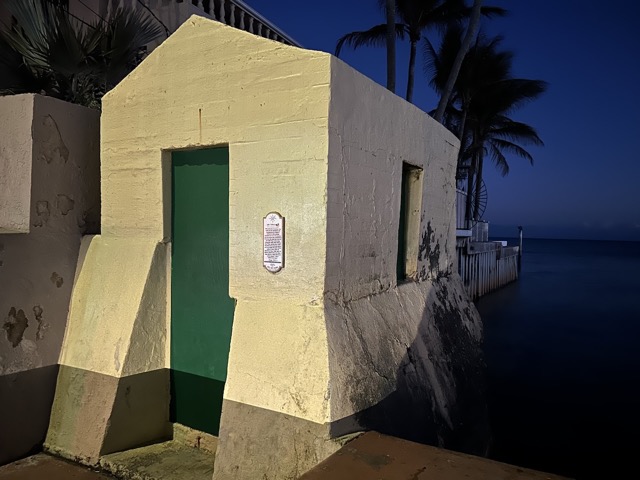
(584, 183)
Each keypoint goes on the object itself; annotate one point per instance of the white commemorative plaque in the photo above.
(273, 242)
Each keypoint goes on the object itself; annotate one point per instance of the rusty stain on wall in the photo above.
(15, 326)
(64, 204)
(54, 148)
(43, 212)
(89, 222)
(56, 279)
(42, 326)
(429, 250)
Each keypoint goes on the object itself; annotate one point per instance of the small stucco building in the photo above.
(174, 317)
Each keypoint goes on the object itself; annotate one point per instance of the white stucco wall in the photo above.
(371, 133)
(372, 320)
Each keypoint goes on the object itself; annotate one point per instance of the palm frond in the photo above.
(374, 37)
(514, 131)
(492, 12)
(510, 147)
(438, 63)
(498, 158)
(69, 59)
(507, 95)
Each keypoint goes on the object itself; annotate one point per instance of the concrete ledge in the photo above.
(378, 456)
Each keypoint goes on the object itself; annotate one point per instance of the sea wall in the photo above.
(49, 198)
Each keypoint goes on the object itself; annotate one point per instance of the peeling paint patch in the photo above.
(43, 212)
(427, 251)
(15, 326)
(64, 204)
(42, 326)
(53, 147)
(56, 279)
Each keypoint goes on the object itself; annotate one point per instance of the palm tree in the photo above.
(483, 65)
(472, 31)
(485, 95)
(414, 18)
(391, 44)
(47, 51)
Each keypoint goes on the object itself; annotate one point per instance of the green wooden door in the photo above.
(201, 310)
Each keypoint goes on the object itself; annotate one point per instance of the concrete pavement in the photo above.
(46, 467)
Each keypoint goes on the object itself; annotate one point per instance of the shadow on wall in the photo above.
(439, 396)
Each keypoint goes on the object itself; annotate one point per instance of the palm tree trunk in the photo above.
(472, 31)
(463, 125)
(467, 211)
(476, 210)
(391, 45)
(412, 69)
(462, 136)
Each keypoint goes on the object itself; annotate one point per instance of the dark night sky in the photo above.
(583, 183)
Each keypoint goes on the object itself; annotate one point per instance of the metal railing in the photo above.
(234, 13)
(486, 267)
(461, 204)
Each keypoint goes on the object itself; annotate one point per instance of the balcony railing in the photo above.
(234, 13)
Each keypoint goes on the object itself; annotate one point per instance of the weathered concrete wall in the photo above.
(396, 347)
(325, 346)
(57, 144)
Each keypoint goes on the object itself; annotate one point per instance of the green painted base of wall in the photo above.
(198, 400)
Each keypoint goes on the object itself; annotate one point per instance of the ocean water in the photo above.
(562, 347)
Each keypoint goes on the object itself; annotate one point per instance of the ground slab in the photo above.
(370, 456)
(380, 457)
(170, 460)
(46, 467)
